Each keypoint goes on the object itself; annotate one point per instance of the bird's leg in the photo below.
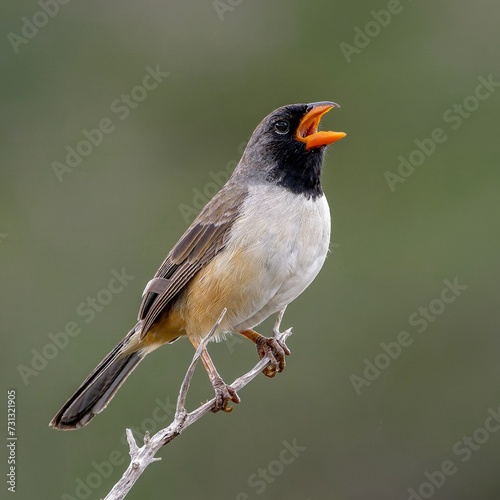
(277, 323)
(272, 347)
(223, 392)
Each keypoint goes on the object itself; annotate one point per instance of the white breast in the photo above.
(286, 238)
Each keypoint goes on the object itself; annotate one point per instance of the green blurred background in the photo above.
(229, 65)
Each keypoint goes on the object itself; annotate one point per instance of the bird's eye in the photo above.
(282, 127)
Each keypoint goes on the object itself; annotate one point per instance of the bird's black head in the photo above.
(286, 148)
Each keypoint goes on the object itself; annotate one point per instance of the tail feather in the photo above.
(98, 388)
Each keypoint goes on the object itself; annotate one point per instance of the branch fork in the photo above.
(141, 457)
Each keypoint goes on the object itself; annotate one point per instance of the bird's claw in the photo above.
(275, 350)
(223, 395)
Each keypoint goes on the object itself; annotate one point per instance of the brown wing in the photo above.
(203, 240)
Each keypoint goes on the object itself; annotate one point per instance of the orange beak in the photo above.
(307, 131)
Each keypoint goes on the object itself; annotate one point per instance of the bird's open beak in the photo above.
(307, 130)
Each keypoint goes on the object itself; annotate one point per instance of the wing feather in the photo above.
(202, 241)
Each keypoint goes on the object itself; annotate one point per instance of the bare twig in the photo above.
(141, 457)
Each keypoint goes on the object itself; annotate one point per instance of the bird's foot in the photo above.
(223, 395)
(275, 350)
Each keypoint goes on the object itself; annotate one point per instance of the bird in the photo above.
(252, 250)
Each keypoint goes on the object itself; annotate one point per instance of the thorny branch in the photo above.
(141, 457)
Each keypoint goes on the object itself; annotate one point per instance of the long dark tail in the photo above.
(99, 387)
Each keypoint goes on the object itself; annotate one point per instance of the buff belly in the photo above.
(265, 265)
